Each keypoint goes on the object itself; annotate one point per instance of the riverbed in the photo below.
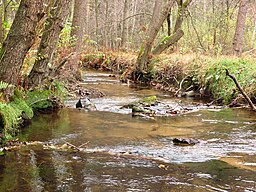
(133, 153)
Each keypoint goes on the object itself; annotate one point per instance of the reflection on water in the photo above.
(224, 160)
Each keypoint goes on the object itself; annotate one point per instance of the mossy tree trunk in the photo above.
(177, 32)
(20, 39)
(167, 42)
(55, 22)
(160, 13)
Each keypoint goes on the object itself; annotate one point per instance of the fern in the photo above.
(11, 117)
(59, 89)
(39, 99)
(4, 85)
(21, 104)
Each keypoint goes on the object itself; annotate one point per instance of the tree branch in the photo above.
(241, 90)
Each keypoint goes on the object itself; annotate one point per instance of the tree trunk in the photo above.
(177, 32)
(54, 24)
(20, 39)
(106, 34)
(124, 25)
(167, 42)
(79, 20)
(96, 9)
(159, 15)
(134, 19)
(78, 29)
(182, 8)
(239, 33)
(253, 35)
(1, 24)
(168, 20)
(215, 25)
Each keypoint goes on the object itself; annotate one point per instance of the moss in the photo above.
(165, 39)
(151, 100)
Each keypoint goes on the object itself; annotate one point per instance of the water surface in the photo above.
(138, 153)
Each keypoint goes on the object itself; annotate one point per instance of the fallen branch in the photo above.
(241, 90)
(180, 87)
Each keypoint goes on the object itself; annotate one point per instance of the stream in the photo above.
(138, 153)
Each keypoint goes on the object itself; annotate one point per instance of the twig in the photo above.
(84, 144)
(241, 90)
(75, 147)
(182, 81)
(197, 35)
(210, 103)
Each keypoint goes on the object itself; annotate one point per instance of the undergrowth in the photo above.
(213, 77)
(22, 105)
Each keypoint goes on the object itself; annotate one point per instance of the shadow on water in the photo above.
(224, 160)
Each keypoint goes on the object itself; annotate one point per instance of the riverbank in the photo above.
(181, 74)
(19, 109)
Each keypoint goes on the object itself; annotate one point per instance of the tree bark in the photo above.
(124, 25)
(1, 24)
(20, 39)
(239, 33)
(182, 8)
(159, 16)
(167, 42)
(96, 10)
(253, 35)
(79, 21)
(54, 24)
(78, 29)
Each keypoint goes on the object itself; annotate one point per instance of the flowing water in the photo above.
(135, 154)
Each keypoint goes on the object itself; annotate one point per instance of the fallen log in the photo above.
(241, 90)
